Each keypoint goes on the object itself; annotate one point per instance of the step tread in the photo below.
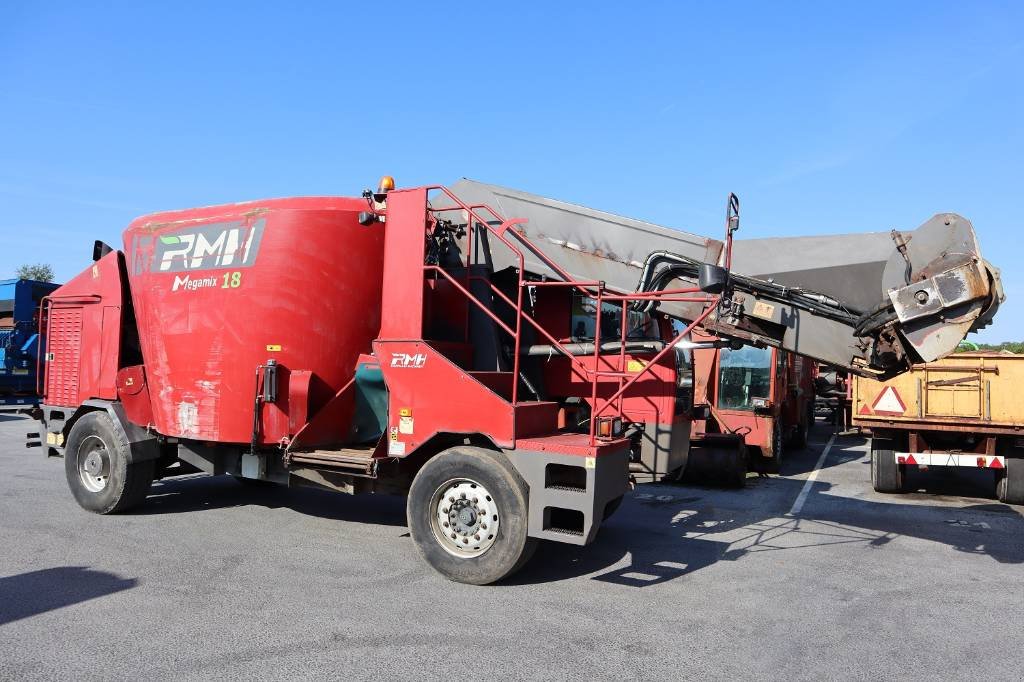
(357, 456)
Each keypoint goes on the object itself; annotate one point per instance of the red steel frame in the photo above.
(591, 289)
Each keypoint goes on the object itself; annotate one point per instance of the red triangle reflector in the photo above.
(996, 464)
(910, 459)
(864, 409)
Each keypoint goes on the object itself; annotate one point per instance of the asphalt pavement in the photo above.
(210, 579)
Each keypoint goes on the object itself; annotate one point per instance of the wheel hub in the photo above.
(465, 519)
(94, 464)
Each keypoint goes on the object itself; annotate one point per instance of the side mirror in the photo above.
(99, 250)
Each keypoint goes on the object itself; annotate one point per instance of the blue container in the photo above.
(19, 339)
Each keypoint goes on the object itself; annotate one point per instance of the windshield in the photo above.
(638, 325)
(743, 374)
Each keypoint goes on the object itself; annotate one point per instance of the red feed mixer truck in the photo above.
(504, 374)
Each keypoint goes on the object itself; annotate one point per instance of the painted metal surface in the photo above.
(949, 459)
(83, 335)
(970, 393)
(789, 391)
(220, 290)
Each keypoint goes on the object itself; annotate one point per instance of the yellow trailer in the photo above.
(965, 410)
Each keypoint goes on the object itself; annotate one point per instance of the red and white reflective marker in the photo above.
(889, 402)
(951, 459)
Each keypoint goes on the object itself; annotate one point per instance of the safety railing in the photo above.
(591, 289)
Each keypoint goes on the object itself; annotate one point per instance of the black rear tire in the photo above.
(1010, 482)
(887, 476)
(507, 492)
(736, 474)
(773, 462)
(98, 466)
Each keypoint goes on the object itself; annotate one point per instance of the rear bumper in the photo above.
(950, 459)
(570, 493)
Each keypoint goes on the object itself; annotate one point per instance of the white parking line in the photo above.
(802, 497)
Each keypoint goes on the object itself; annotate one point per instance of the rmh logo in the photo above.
(408, 360)
(210, 246)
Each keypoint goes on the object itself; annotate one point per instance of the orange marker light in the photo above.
(387, 183)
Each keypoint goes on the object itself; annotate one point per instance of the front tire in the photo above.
(887, 476)
(467, 512)
(98, 466)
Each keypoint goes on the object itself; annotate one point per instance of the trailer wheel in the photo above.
(467, 513)
(1010, 482)
(97, 466)
(886, 475)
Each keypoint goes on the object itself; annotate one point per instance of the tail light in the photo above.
(609, 427)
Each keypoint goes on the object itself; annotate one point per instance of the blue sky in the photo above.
(823, 118)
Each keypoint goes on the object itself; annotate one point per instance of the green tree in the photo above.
(1009, 346)
(38, 271)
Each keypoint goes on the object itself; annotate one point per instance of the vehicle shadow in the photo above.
(649, 546)
(664, 532)
(8, 417)
(198, 492)
(35, 592)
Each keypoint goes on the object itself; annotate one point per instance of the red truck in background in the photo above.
(764, 394)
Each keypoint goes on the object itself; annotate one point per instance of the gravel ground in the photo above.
(212, 579)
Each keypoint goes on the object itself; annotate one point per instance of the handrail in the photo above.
(470, 296)
(591, 289)
(505, 226)
(41, 346)
(544, 332)
(597, 410)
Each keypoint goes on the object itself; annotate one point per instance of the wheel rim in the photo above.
(94, 464)
(464, 517)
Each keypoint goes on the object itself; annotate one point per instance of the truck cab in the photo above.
(765, 394)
